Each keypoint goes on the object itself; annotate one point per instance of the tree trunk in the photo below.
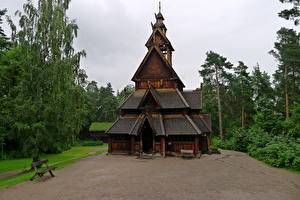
(286, 93)
(219, 104)
(243, 116)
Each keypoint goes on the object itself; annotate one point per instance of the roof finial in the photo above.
(159, 6)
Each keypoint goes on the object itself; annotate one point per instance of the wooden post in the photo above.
(109, 144)
(163, 146)
(132, 145)
(141, 145)
(197, 145)
(153, 150)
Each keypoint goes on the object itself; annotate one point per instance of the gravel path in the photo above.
(231, 175)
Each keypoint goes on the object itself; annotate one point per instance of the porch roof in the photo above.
(162, 125)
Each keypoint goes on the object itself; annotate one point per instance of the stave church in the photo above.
(160, 117)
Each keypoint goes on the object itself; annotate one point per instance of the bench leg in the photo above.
(51, 173)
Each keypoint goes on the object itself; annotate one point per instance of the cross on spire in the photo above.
(159, 8)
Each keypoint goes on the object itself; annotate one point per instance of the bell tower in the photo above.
(156, 68)
(159, 38)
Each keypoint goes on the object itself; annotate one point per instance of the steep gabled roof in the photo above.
(150, 91)
(193, 98)
(151, 38)
(165, 98)
(165, 63)
(161, 125)
(133, 100)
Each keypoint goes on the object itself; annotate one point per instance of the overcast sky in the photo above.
(113, 33)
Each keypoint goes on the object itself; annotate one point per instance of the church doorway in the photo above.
(147, 138)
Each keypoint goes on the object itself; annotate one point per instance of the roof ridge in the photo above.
(150, 122)
(205, 124)
(153, 95)
(193, 124)
(182, 98)
(126, 99)
(112, 125)
(135, 123)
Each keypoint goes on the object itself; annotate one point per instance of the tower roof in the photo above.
(159, 16)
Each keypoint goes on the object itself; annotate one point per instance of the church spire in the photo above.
(159, 24)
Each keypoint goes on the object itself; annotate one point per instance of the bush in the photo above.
(223, 144)
(91, 143)
(240, 139)
(279, 151)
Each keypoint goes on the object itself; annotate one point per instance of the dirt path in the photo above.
(231, 175)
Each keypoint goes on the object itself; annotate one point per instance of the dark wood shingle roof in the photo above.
(193, 98)
(168, 99)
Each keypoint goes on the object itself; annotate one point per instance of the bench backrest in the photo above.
(38, 163)
(186, 151)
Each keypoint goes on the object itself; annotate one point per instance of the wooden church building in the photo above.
(159, 117)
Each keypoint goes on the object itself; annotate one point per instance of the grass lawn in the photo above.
(100, 126)
(59, 160)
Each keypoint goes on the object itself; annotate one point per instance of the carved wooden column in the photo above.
(141, 145)
(153, 150)
(109, 144)
(163, 146)
(132, 143)
(197, 145)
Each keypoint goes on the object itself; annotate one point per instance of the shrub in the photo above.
(240, 139)
(280, 152)
(223, 144)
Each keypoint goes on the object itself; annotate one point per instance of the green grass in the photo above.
(293, 171)
(59, 160)
(100, 126)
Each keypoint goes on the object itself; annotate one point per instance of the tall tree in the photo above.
(293, 13)
(49, 103)
(261, 84)
(214, 70)
(287, 76)
(243, 90)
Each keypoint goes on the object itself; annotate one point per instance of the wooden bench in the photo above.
(187, 153)
(40, 172)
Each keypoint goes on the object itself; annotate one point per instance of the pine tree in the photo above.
(287, 76)
(293, 13)
(214, 71)
(243, 91)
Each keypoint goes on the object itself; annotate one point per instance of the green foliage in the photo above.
(91, 143)
(4, 42)
(103, 103)
(125, 93)
(287, 76)
(278, 151)
(293, 13)
(41, 82)
(223, 144)
(100, 126)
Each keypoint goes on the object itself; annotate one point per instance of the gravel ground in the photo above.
(230, 175)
